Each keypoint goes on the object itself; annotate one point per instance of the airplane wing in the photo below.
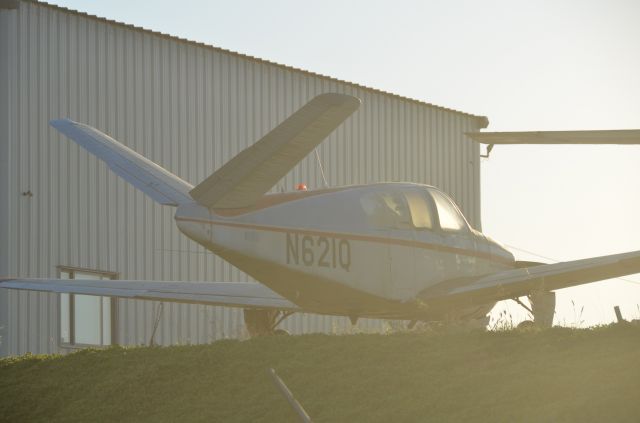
(624, 136)
(546, 277)
(249, 175)
(229, 294)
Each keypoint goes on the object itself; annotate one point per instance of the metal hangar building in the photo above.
(189, 107)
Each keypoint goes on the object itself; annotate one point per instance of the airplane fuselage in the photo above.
(352, 250)
(388, 250)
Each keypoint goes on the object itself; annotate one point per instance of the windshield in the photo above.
(450, 217)
(420, 210)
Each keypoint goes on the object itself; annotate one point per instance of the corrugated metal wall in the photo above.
(190, 108)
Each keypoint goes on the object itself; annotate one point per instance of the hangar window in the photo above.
(86, 320)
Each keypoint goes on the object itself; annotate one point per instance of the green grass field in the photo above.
(554, 375)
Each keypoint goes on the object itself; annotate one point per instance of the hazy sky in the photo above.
(544, 65)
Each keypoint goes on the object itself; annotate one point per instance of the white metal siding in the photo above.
(4, 176)
(190, 108)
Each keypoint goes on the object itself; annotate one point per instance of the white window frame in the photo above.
(112, 304)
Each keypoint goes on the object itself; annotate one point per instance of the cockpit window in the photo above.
(450, 217)
(387, 210)
(420, 209)
(398, 210)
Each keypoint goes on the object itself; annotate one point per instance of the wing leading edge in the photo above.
(617, 136)
(229, 294)
(547, 277)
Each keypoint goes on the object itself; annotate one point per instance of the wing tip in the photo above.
(337, 99)
(61, 123)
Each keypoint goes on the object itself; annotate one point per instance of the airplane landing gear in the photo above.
(262, 322)
(543, 306)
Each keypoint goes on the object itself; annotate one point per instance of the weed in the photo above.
(578, 321)
(503, 322)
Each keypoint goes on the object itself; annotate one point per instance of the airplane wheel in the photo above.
(526, 324)
(259, 322)
(262, 322)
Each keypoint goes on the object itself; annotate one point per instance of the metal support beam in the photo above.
(618, 314)
(156, 322)
(526, 307)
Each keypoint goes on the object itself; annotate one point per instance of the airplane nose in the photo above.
(497, 249)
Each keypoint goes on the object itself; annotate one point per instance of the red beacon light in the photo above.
(301, 187)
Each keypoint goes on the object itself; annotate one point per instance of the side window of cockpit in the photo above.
(450, 217)
(387, 210)
(421, 215)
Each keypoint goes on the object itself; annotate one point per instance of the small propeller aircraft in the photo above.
(386, 250)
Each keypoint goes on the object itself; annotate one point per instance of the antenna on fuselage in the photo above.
(324, 179)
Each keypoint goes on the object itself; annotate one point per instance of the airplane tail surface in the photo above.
(244, 179)
(158, 183)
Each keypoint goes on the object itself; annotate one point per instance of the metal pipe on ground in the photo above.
(297, 407)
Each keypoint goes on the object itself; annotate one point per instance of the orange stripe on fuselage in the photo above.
(356, 237)
(271, 200)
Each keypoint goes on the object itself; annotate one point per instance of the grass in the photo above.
(553, 375)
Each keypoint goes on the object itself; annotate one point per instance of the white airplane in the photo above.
(388, 250)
